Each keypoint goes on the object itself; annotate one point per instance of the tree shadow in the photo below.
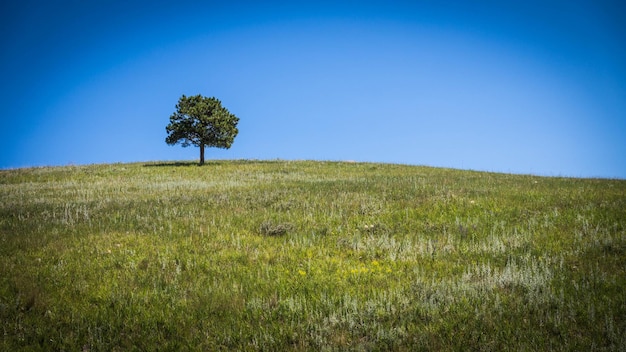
(174, 163)
(208, 162)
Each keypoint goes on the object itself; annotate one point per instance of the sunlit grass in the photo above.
(257, 255)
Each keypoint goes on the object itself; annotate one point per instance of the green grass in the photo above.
(278, 255)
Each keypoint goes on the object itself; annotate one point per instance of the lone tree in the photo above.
(203, 122)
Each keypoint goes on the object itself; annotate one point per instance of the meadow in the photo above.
(309, 255)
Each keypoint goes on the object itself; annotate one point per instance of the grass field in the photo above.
(279, 255)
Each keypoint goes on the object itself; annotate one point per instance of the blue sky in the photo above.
(519, 87)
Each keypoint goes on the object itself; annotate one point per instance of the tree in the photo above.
(203, 122)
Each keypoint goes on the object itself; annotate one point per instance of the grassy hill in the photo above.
(254, 255)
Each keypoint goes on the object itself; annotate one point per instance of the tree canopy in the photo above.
(202, 122)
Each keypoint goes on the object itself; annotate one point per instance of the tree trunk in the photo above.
(202, 154)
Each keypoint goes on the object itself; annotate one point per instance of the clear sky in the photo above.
(533, 87)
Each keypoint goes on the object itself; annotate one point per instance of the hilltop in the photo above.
(305, 255)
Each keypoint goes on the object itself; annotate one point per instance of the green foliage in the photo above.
(259, 255)
(201, 121)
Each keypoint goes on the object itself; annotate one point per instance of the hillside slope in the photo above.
(306, 255)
